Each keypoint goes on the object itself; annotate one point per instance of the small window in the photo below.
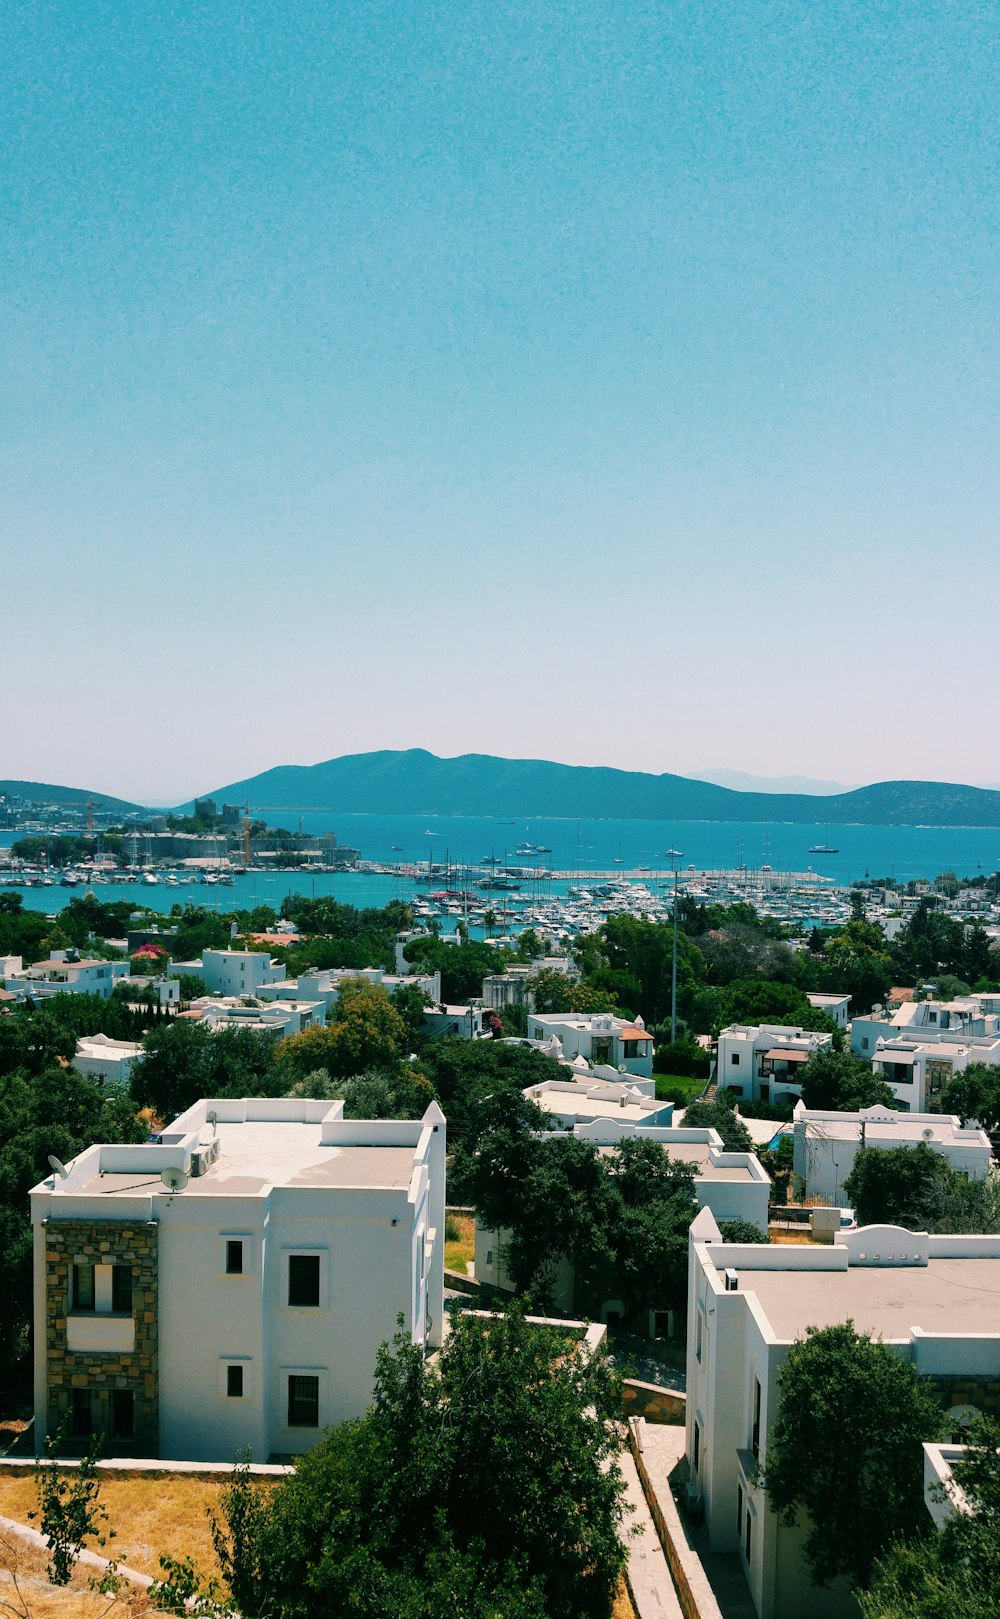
(748, 1533)
(234, 1382)
(122, 1414)
(489, 1256)
(81, 1420)
(303, 1402)
(234, 1257)
(864, 1042)
(734, 1061)
(83, 1287)
(697, 1348)
(755, 1430)
(303, 1280)
(697, 1445)
(121, 1289)
(739, 1510)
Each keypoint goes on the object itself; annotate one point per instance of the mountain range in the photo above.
(415, 781)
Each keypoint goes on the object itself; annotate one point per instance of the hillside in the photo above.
(44, 792)
(481, 784)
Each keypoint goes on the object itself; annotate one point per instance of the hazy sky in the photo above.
(612, 383)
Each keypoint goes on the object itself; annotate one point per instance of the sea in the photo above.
(577, 849)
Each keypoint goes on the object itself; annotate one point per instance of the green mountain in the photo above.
(44, 792)
(480, 784)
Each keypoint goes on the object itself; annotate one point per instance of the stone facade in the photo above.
(102, 1242)
(962, 1390)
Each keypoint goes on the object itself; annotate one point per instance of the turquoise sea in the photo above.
(579, 848)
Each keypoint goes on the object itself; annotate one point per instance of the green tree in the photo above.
(856, 963)
(974, 1094)
(488, 1485)
(719, 1115)
(363, 1030)
(185, 1061)
(462, 966)
(554, 992)
(845, 1449)
(955, 1573)
(917, 1188)
(838, 1082)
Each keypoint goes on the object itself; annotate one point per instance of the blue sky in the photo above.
(615, 384)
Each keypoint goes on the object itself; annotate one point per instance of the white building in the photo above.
(917, 1070)
(464, 1021)
(514, 986)
(66, 973)
(233, 972)
(763, 1062)
(598, 1037)
(228, 1285)
(323, 983)
(931, 1298)
(969, 1016)
(275, 1018)
(109, 1061)
(835, 1006)
(826, 1144)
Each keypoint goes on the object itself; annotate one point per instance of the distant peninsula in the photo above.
(415, 781)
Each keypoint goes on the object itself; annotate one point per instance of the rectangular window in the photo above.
(303, 1280)
(83, 1287)
(121, 1290)
(234, 1257)
(81, 1421)
(747, 1541)
(739, 1510)
(697, 1445)
(303, 1401)
(122, 1414)
(234, 1382)
(755, 1431)
(734, 1061)
(697, 1347)
(864, 1042)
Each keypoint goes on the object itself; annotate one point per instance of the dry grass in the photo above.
(624, 1607)
(33, 1596)
(459, 1252)
(782, 1235)
(148, 1515)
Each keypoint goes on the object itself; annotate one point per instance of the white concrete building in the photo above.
(598, 1037)
(109, 1061)
(514, 986)
(240, 1300)
(835, 1006)
(970, 1016)
(917, 1070)
(274, 1018)
(466, 1022)
(931, 1298)
(66, 973)
(826, 1144)
(762, 1062)
(324, 984)
(234, 972)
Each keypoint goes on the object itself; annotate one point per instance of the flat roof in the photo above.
(695, 1153)
(945, 1295)
(261, 1154)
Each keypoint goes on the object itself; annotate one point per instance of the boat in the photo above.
(822, 848)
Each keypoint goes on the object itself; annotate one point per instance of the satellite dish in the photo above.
(174, 1180)
(59, 1167)
(928, 1134)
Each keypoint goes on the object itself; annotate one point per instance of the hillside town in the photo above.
(244, 1154)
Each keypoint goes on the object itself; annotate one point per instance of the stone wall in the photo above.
(102, 1242)
(967, 1389)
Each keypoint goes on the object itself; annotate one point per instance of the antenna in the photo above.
(174, 1180)
(59, 1167)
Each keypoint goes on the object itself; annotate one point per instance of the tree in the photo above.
(974, 1094)
(742, 1231)
(917, 1188)
(958, 1571)
(838, 1082)
(845, 1448)
(462, 966)
(719, 1115)
(856, 963)
(755, 1001)
(185, 1061)
(488, 1485)
(553, 991)
(364, 1030)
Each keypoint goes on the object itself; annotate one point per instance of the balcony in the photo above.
(98, 1333)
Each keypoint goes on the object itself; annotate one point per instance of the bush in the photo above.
(685, 1057)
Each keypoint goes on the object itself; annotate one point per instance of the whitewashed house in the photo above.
(108, 1061)
(598, 1037)
(228, 1285)
(66, 973)
(933, 1299)
(763, 1062)
(835, 1006)
(233, 972)
(826, 1145)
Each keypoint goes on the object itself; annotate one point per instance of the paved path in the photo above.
(648, 1575)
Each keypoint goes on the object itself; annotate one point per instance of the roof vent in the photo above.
(732, 1280)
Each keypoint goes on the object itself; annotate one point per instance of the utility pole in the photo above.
(675, 855)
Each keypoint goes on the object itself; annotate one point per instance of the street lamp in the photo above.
(673, 855)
